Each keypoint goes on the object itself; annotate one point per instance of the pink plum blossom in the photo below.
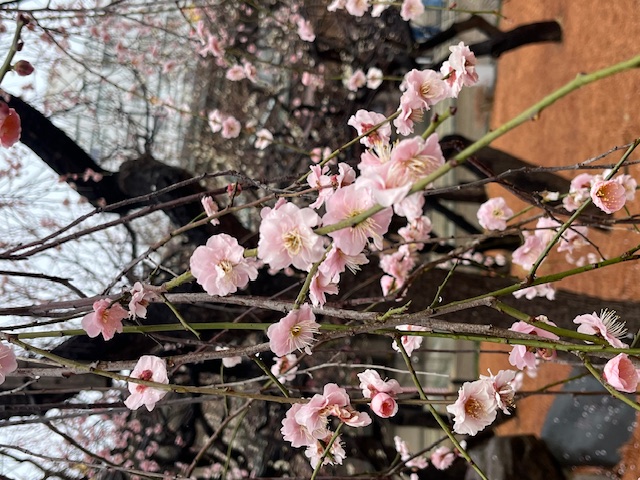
(402, 449)
(371, 384)
(384, 405)
(346, 203)
(293, 332)
(527, 254)
(210, 208)
(579, 192)
(425, 87)
(374, 78)
(213, 46)
(294, 432)
(411, 9)
(357, 80)
(409, 342)
(229, 362)
(250, 71)
(305, 29)
(230, 127)
(422, 90)
(409, 161)
(335, 455)
(398, 264)
(608, 195)
(285, 368)
(382, 393)
(630, 185)
(337, 262)
(235, 73)
(219, 266)
(621, 374)
(152, 369)
(140, 298)
(357, 8)
(410, 207)
(605, 325)
(544, 290)
(416, 231)
(106, 319)
(460, 68)
(388, 284)
(264, 138)
(308, 424)
(336, 5)
(326, 183)
(504, 387)
(494, 213)
(415, 158)
(442, 458)
(287, 238)
(215, 120)
(8, 362)
(475, 408)
(321, 286)
(523, 357)
(363, 121)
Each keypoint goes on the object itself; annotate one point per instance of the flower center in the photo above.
(293, 241)
(473, 408)
(296, 330)
(145, 375)
(425, 90)
(226, 266)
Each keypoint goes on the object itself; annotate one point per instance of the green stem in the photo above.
(13, 49)
(89, 368)
(438, 119)
(327, 449)
(180, 318)
(258, 361)
(561, 332)
(186, 277)
(434, 412)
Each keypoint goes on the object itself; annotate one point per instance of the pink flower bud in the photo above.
(384, 405)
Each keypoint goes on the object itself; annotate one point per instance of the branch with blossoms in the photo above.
(348, 224)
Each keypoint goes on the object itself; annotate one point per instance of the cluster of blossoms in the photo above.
(381, 392)
(356, 79)
(441, 458)
(608, 195)
(522, 356)
(423, 89)
(227, 125)
(240, 72)
(287, 236)
(478, 402)
(307, 424)
(107, 316)
(106, 319)
(409, 10)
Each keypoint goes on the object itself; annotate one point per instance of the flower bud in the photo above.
(23, 68)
